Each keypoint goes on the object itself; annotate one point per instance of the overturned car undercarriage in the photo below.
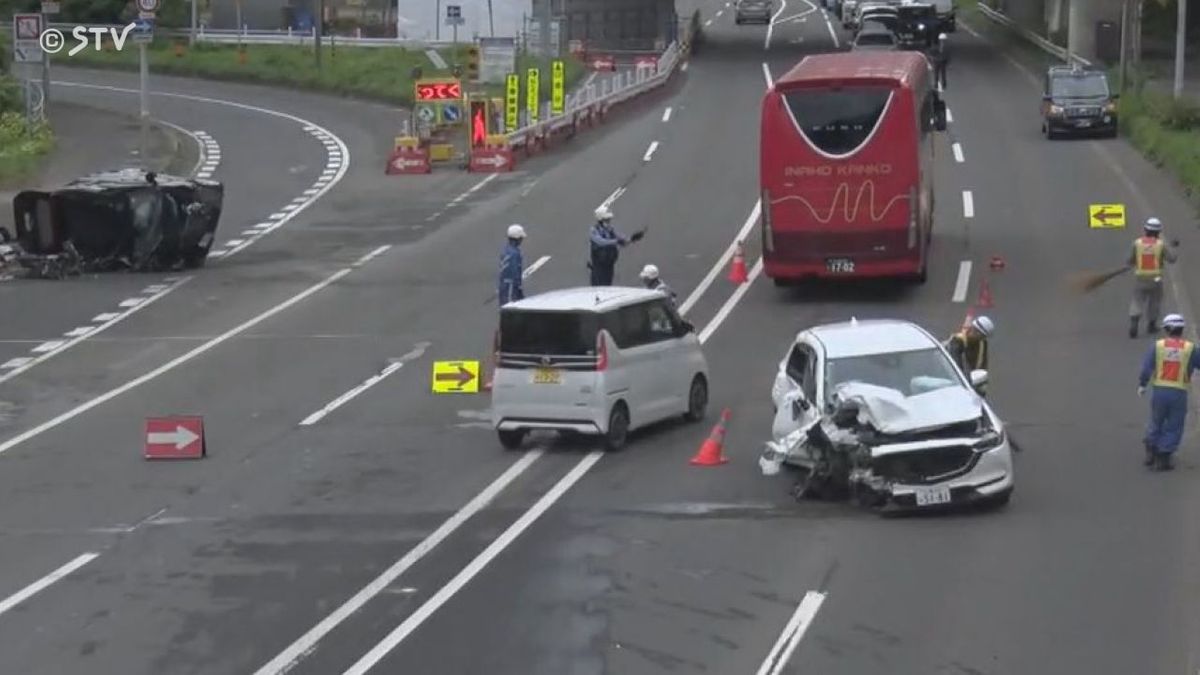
(871, 440)
(119, 220)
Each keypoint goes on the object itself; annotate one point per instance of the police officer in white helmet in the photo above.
(512, 270)
(653, 281)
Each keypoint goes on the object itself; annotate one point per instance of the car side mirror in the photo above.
(979, 378)
(939, 115)
(687, 326)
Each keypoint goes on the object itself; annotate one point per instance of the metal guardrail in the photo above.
(1043, 43)
(588, 102)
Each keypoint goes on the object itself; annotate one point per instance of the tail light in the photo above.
(914, 212)
(764, 214)
(601, 352)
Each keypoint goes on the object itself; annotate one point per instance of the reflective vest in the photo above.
(979, 362)
(1148, 255)
(1172, 356)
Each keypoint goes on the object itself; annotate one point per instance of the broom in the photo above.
(1090, 281)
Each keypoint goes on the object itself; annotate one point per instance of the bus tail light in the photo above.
(764, 215)
(914, 213)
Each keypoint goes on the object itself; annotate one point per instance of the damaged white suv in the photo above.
(877, 409)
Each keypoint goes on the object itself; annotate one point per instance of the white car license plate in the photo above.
(547, 376)
(841, 265)
(932, 496)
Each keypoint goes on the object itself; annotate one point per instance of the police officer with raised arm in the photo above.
(604, 243)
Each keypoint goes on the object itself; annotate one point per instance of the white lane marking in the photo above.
(195, 136)
(720, 264)
(958, 153)
(372, 255)
(41, 584)
(312, 191)
(260, 226)
(278, 215)
(767, 75)
(777, 659)
(155, 288)
(48, 346)
(720, 12)
(346, 397)
(832, 33)
(481, 561)
(649, 152)
(949, 115)
(343, 167)
(535, 266)
(968, 204)
(963, 282)
(667, 114)
(16, 362)
(307, 643)
(291, 207)
(107, 316)
(481, 183)
(131, 302)
(771, 24)
(612, 198)
(248, 233)
(170, 365)
(235, 242)
(79, 332)
(708, 22)
(426, 610)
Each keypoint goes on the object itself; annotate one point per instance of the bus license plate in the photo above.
(932, 496)
(547, 376)
(840, 265)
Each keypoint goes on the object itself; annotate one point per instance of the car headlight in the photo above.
(1110, 107)
(990, 441)
(920, 26)
(1056, 109)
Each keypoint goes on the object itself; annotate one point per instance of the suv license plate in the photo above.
(933, 496)
(547, 376)
(840, 265)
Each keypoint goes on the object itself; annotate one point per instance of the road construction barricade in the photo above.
(408, 156)
(494, 156)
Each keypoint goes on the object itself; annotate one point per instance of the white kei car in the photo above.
(941, 443)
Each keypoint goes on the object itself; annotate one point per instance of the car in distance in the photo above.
(944, 443)
(1078, 100)
(753, 11)
(875, 39)
(597, 361)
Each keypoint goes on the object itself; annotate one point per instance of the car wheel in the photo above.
(697, 399)
(618, 428)
(511, 439)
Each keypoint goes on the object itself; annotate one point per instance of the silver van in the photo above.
(595, 360)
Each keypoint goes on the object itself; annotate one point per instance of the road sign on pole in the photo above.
(454, 15)
(149, 6)
(27, 31)
(532, 94)
(557, 82)
(512, 102)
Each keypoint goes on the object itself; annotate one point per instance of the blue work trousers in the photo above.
(1168, 412)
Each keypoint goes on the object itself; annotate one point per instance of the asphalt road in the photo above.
(270, 551)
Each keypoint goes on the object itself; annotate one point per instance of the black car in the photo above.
(1078, 100)
(916, 26)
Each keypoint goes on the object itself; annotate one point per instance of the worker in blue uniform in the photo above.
(1168, 368)
(604, 244)
(509, 288)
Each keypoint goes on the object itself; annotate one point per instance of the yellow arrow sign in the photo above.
(1106, 216)
(455, 377)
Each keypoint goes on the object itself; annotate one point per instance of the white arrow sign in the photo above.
(497, 161)
(180, 438)
(401, 162)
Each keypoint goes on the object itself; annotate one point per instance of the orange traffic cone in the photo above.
(487, 385)
(711, 452)
(985, 295)
(737, 271)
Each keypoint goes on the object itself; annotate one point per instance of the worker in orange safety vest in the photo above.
(1167, 368)
(1147, 258)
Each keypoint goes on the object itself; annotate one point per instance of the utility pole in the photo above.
(192, 33)
(545, 28)
(437, 21)
(318, 27)
(1180, 41)
(491, 23)
(45, 67)
(1124, 46)
(144, 116)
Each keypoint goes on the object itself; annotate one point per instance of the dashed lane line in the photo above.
(963, 282)
(211, 156)
(45, 582)
(667, 114)
(968, 204)
(650, 151)
(958, 152)
(777, 659)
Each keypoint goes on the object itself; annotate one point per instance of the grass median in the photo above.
(22, 147)
(375, 73)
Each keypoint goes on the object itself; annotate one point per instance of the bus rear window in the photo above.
(837, 121)
(548, 333)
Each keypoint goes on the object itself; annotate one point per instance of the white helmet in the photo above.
(941, 36)
(649, 272)
(1153, 225)
(1173, 321)
(516, 232)
(984, 325)
(602, 213)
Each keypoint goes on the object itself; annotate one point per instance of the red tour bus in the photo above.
(846, 166)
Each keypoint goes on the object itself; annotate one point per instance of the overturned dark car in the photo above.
(120, 220)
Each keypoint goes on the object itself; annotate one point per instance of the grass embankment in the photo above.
(377, 73)
(22, 147)
(1166, 131)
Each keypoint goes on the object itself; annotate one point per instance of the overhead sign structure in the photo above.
(557, 84)
(512, 102)
(455, 377)
(27, 33)
(438, 90)
(1106, 216)
(497, 58)
(175, 437)
(533, 90)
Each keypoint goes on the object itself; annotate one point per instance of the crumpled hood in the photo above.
(890, 412)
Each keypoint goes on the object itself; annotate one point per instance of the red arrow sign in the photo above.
(462, 377)
(175, 438)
